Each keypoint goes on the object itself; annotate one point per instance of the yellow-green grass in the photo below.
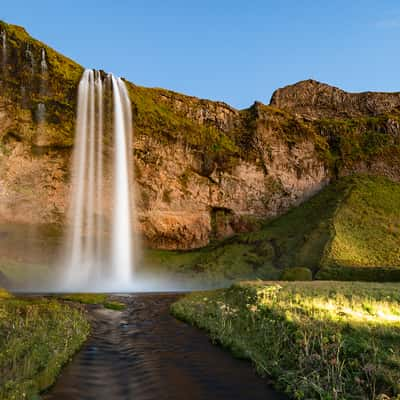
(95, 298)
(365, 231)
(37, 337)
(4, 294)
(317, 340)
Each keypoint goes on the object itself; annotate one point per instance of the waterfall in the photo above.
(3, 37)
(30, 58)
(43, 63)
(40, 112)
(101, 253)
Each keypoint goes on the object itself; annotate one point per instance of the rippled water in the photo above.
(144, 353)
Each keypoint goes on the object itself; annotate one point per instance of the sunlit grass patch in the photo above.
(4, 294)
(327, 340)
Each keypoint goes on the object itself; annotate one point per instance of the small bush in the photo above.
(296, 274)
(114, 305)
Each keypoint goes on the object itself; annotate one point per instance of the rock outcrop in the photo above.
(204, 170)
(315, 100)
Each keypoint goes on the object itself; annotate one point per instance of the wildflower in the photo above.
(253, 308)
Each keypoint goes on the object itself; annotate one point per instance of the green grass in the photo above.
(4, 294)
(296, 274)
(86, 298)
(114, 305)
(366, 228)
(317, 340)
(37, 337)
(298, 238)
(348, 231)
(95, 298)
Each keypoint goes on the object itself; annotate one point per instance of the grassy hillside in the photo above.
(317, 340)
(366, 232)
(350, 231)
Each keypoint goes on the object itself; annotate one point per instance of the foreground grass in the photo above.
(37, 337)
(317, 340)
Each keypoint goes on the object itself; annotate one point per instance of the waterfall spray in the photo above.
(101, 252)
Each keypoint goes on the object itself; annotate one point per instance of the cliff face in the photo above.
(204, 170)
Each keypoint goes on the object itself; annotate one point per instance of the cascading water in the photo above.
(40, 112)
(30, 58)
(101, 251)
(41, 107)
(3, 37)
(43, 62)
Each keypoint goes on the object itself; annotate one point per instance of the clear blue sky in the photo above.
(229, 50)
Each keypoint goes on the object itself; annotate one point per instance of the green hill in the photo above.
(349, 231)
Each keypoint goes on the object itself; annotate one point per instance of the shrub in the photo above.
(296, 274)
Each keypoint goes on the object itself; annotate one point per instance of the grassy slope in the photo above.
(37, 337)
(366, 232)
(353, 223)
(297, 238)
(317, 339)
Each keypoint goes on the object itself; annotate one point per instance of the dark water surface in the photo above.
(143, 353)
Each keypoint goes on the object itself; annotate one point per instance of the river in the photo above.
(143, 353)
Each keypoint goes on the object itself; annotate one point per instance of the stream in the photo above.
(143, 353)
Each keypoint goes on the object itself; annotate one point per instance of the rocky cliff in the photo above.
(204, 169)
(315, 100)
